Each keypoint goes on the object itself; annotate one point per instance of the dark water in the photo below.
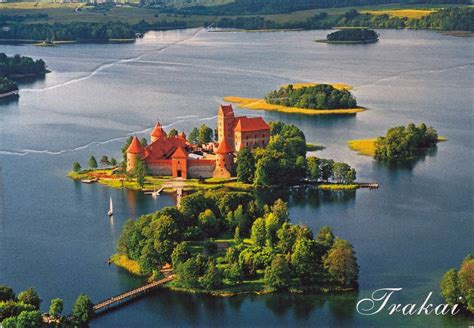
(55, 234)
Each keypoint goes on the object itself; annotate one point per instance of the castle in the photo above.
(175, 156)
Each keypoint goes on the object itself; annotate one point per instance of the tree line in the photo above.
(284, 162)
(449, 19)
(265, 245)
(402, 143)
(23, 310)
(20, 65)
(356, 34)
(321, 96)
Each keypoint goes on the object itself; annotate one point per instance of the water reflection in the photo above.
(408, 164)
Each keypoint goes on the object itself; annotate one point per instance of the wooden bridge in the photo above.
(109, 303)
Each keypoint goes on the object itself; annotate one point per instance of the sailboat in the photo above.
(111, 208)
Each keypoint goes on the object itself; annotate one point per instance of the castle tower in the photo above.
(157, 132)
(224, 161)
(134, 151)
(225, 124)
(179, 163)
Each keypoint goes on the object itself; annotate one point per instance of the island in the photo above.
(226, 243)
(17, 66)
(304, 98)
(8, 88)
(352, 36)
(23, 310)
(246, 153)
(399, 143)
(457, 287)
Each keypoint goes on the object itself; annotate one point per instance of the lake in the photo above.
(55, 233)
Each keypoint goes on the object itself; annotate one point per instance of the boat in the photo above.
(111, 208)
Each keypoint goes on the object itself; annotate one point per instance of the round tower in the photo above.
(224, 161)
(157, 132)
(134, 151)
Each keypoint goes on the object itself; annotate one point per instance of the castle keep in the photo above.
(175, 156)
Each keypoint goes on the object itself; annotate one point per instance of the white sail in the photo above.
(111, 206)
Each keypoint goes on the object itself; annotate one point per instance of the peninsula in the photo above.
(304, 98)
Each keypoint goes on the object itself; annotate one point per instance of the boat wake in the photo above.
(24, 152)
(107, 65)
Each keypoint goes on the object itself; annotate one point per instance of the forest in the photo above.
(227, 241)
(402, 143)
(7, 85)
(321, 96)
(20, 66)
(457, 286)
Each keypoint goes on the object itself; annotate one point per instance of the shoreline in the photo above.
(348, 42)
(10, 94)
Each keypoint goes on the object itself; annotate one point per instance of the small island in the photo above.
(352, 36)
(226, 243)
(8, 88)
(457, 286)
(304, 98)
(399, 143)
(21, 66)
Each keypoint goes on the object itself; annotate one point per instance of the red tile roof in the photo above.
(180, 153)
(223, 148)
(158, 131)
(247, 124)
(135, 147)
(162, 148)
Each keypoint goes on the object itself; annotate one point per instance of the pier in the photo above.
(114, 301)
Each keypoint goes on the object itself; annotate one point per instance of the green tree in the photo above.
(313, 168)
(212, 279)
(194, 136)
(304, 259)
(181, 253)
(209, 223)
(76, 167)
(205, 134)
(56, 307)
(113, 162)
(172, 133)
(278, 274)
(325, 169)
(104, 161)
(287, 235)
(141, 172)
(30, 296)
(233, 273)
(92, 162)
(343, 173)
(188, 273)
(82, 311)
(245, 166)
(144, 142)
(272, 224)
(258, 234)
(341, 263)
(466, 282)
(29, 319)
(6, 293)
(450, 287)
(325, 239)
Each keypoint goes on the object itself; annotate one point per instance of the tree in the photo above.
(172, 133)
(76, 167)
(278, 274)
(466, 282)
(212, 279)
(233, 273)
(181, 253)
(30, 296)
(141, 172)
(313, 168)
(209, 223)
(205, 134)
(450, 287)
(245, 166)
(6, 293)
(304, 259)
(280, 211)
(92, 162)
(188, 273)
(325, 169)
(82, 310)
(272, 224)
(341, 263)
(194, 136)
(287, 235)
(325, 239)
(56, 307)
(144, 142)
(29, 319)
(258, 234)
(113, 162)
(343, 173)
(104, 160)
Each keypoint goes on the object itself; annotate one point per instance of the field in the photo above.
(64, 13)
(363, 146)
(408, 13)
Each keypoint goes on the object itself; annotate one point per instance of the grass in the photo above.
(314, 147)
(127, 264)
(261, 104)
(363, 146)
(408, 13)
(338, 186)
(367, 146)
(338, 86)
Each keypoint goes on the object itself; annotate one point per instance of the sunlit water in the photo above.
(55, 234)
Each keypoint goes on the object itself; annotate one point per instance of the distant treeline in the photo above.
(244, 7)
(20, 65)
(21, 18)
(450, 19)
(81, 31)
(353, 34)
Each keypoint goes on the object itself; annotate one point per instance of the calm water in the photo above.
(55, 234)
